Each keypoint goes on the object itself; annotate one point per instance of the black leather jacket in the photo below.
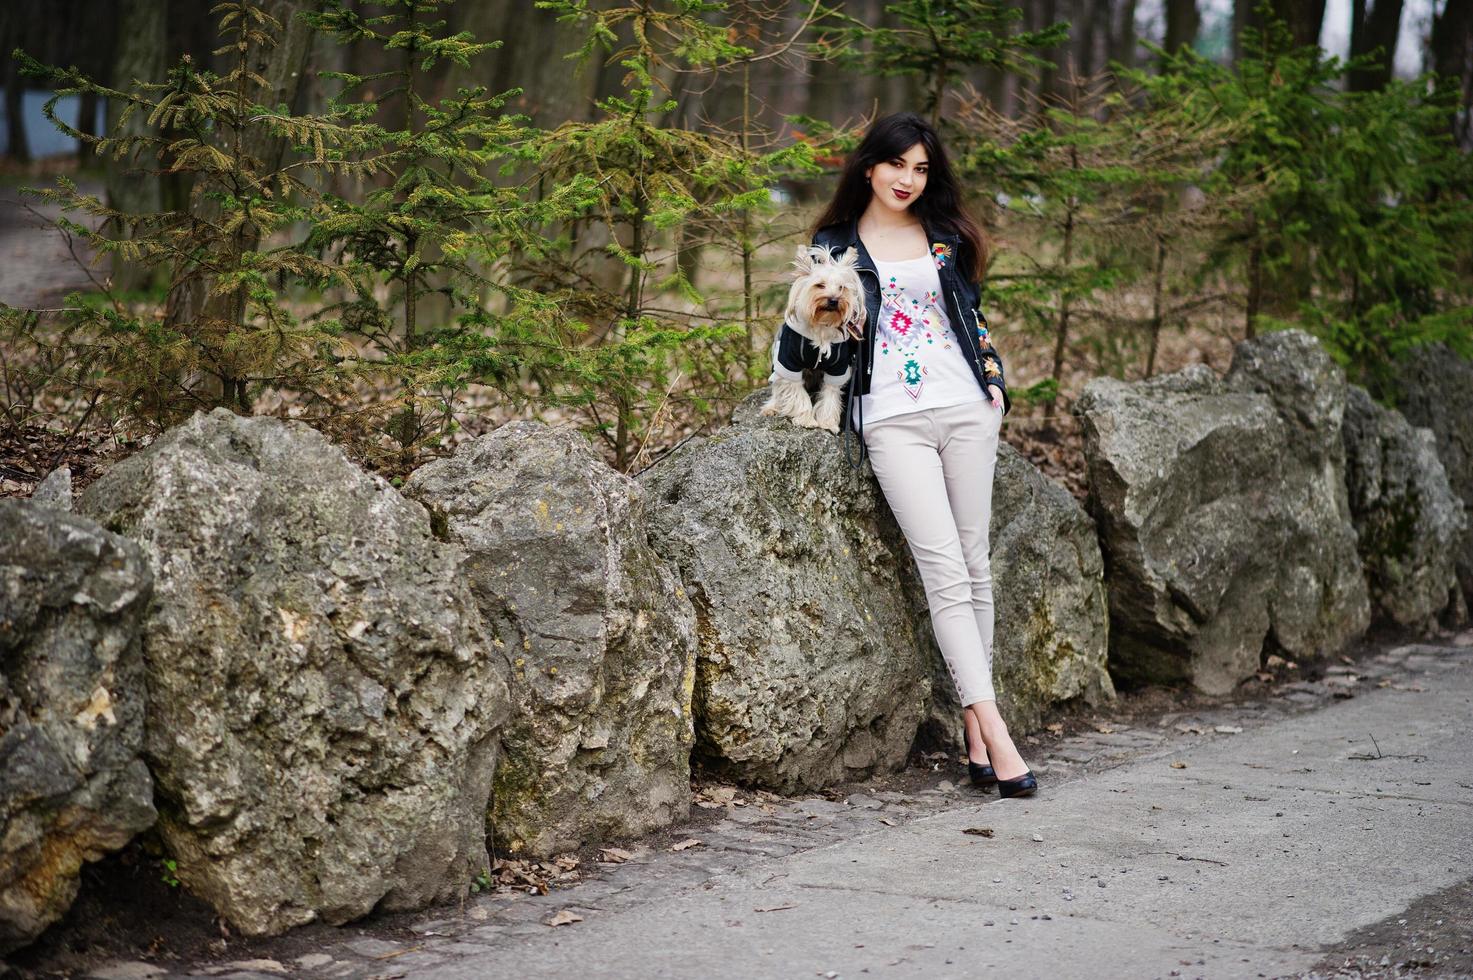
(963, 302)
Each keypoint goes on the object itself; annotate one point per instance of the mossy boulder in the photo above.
(1223, 514)
(596, 633)
(322, 709)
(1409, 523)
(814, 659)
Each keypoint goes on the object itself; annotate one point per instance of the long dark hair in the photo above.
(940, 204)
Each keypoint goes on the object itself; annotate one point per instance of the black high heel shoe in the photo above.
(983, 776)
(1024, 785)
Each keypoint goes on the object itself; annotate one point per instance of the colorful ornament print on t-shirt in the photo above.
(910, 324)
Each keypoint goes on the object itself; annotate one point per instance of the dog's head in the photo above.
(826, 301)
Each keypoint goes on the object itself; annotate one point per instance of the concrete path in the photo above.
(1244, 862)
(1254, 838)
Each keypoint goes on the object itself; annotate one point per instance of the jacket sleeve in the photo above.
(992, 368)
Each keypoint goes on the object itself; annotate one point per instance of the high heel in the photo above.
(1024, 785)
(983, 776)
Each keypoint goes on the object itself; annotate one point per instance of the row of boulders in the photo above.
(1272, 510)
(336, 694)
(322, 710)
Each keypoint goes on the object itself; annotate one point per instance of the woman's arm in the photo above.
(992, 368)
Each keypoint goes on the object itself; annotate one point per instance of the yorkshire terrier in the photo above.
(825, 308)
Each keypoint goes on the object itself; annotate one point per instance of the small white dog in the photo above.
(825, 307)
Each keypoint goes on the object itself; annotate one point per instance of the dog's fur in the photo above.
(826, 306)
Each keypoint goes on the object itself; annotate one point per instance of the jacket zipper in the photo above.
(976, 356)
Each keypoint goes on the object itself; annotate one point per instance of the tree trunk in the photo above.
(1304, 17)
(1122, 32)
(15, 32)
(133, 183)
(1452, 60)
(1156, 317)
(1086, 53)
(1048, 79)
(1378, 30)
(17, 146)
(1255, 290)
(1182, 24)
(284, 67)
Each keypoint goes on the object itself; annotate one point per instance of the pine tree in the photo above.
(433, 219)
(753, 219)
(1062, 171)
(1094, 176)
(1362, 217)
(224, 334)
(647, 182)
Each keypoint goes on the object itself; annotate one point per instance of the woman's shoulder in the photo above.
(833, 234)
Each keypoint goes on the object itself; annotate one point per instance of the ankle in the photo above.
(996, 731)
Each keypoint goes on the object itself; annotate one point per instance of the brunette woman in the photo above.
(927, 398)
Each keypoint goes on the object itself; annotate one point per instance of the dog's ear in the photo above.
(805, 259)
(849, 258)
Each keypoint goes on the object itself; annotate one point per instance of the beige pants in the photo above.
(935, 467)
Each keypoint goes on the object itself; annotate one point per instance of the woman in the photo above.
(927, 399)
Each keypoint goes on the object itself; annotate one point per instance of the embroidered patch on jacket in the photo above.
(940, 251)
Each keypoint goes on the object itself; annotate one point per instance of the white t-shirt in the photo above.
(918, 361)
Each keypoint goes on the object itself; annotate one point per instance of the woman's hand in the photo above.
(995, 393)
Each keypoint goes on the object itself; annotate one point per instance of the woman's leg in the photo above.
(968, 453)
(903, 451)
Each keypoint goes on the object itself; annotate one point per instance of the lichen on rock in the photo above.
(322, 710)
(72, 783)
(597, 634)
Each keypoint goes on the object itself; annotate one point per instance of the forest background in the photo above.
(407, 221)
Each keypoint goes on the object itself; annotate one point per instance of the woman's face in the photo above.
(897, 182)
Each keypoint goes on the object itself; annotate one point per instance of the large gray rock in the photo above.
(599, 636)
(1223, 514)
(1434, 390)
(55, 490)
(815, 661)
(72, 784)
(1409, 522)
(1321, 603)
(322, 710)
(1051, 622)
